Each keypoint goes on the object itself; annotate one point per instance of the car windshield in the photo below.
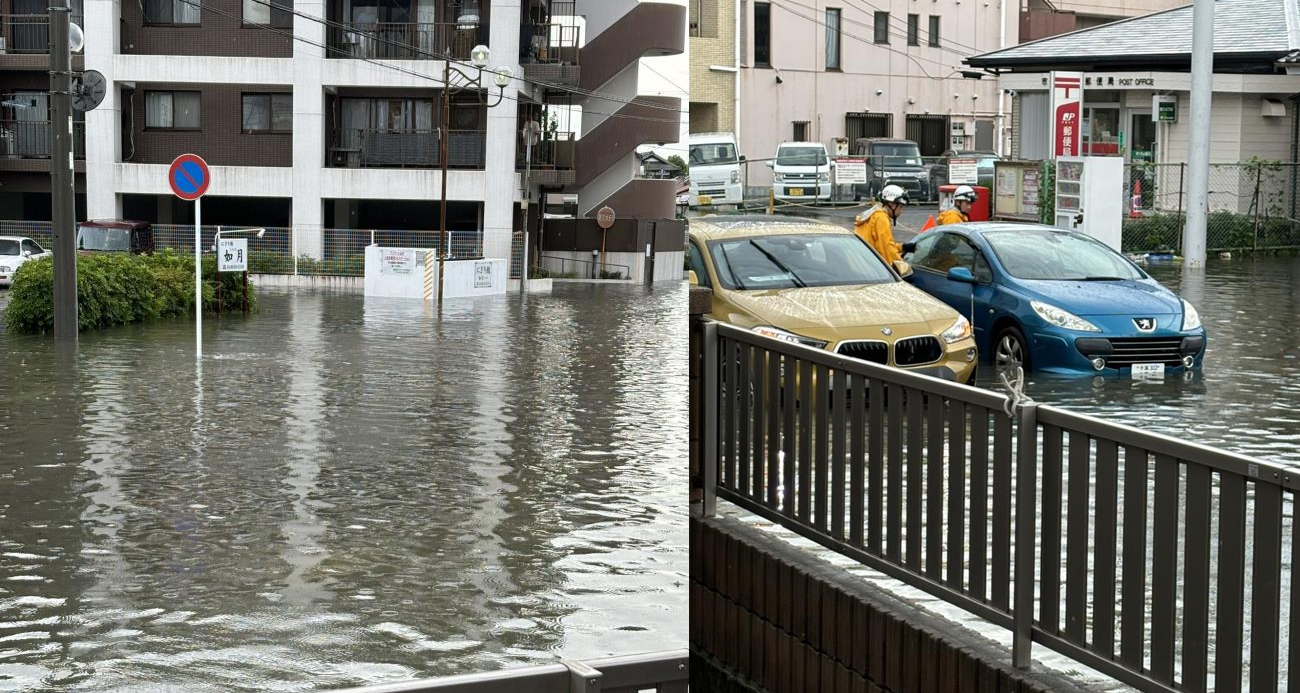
(796, 261)
(99, 238)
(1039, 253)
(8, 247)
(896, 154)
(713, 154)
(801, 156)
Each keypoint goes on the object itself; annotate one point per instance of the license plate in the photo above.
(706, 199)
(1149, 370)
(796, 192)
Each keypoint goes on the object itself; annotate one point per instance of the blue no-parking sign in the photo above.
(189, 176)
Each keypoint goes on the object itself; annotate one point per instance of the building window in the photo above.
(762, 34)
(267, 113)
(913, 29)
(832, 38)
(800, 131)
(171, 12)
(171, 110)
(934, 30)
(882, 27)
(277, 13)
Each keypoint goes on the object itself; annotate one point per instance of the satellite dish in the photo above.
(88, 90)
(532, 132)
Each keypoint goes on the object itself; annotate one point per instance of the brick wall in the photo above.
(772, 617)
(709, 86)
(219, 141)
(220, 33)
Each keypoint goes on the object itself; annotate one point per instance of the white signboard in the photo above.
(396, 261)
(963, 171)
(483, 275)
(232, 255)
(850, 171)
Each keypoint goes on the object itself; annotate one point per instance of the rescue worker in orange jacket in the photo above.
(876, 225)
(962, 200)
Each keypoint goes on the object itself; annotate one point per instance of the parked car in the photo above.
(115, 235)
(801, 172)
(820, 285)
(984, 164)
(891, 161)
(715, 169)
(15, 251)
(1057, 301)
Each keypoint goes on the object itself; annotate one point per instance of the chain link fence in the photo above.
(281, 250)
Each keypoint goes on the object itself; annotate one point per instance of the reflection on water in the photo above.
(1247, 398)
(351, 492)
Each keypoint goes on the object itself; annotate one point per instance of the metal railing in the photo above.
(405, 40)
(1093, 539)
(557, 151)
(409, 148)
(28, 33)
(30, 139)
(662, 672)
(550, 43)
(560, 267)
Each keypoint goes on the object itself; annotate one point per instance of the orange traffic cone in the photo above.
(1135, 204)
(929, 224)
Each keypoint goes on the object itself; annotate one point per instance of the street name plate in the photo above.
(232, 255)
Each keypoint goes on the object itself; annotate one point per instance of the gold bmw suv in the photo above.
(820, 285)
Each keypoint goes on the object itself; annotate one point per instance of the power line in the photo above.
(415, 50)
(882, 45)
(914, 59)
(425, 76)
(973, 50)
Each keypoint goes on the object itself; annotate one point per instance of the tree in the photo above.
(676, 160)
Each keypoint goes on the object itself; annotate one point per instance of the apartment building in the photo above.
(25, 111)
(326, 115)
(714, 59)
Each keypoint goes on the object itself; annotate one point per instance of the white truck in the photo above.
(715, 170)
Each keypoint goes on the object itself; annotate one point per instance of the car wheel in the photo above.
(1011, 350)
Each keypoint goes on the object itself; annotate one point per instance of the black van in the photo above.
(892, 162)
(115, 235)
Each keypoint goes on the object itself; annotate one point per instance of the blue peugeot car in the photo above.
(1057, 301)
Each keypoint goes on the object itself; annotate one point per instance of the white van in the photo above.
(801, 171)
(715, 170)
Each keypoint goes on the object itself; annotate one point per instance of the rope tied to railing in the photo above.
(1016, 391)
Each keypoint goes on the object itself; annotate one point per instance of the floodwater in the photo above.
(346, 492)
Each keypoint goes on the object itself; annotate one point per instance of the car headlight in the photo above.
(1062, 318)
(780, 177)
(1191, 318)
(774, 333)
(7, 269)
(823, 177)
(960, 330)
(885, 174)
(735, 176)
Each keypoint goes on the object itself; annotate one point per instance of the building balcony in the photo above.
(27, 34)
(405, 40)
(552, 161)
(25, 145)
(409, 148)
(549, 53)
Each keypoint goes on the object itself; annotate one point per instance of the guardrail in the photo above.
(1093, 539)
(405, 40)
(28, 33)
(564, 267)
(406, 148)
(30, 139)
(663, 672)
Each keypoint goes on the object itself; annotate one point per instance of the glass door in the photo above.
(1141, 155)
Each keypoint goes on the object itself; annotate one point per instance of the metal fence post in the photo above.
(293, 247)
(1259, 175)
(709, 419)
(1026, 518)
(1182, 213)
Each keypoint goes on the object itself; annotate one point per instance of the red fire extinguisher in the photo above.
(1135, 205)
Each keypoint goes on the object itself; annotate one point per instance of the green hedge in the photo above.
(1224, 231)
(117, 289)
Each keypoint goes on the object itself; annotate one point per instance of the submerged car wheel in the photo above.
(1011, 350)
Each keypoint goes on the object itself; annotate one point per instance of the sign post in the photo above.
(604, 219)
(1067, 114)
(189, 178)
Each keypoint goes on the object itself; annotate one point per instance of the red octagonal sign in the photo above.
(189, 176)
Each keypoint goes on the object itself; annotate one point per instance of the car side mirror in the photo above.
(690, 277)
(27, 253)
(769, 164)
(743, 159)
(904, 270)
(961, 274)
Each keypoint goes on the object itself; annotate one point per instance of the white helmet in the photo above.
(893, 193)
(965, 192)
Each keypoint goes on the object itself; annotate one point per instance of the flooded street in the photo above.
(345, 493)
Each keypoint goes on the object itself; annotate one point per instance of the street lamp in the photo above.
(479, 58)
(216, 240)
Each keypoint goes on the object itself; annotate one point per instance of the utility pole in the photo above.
(1198, 155)
(62, 181)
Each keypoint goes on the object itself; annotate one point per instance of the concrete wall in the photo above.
(911, 79)
(767, 616)
(463, 278)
